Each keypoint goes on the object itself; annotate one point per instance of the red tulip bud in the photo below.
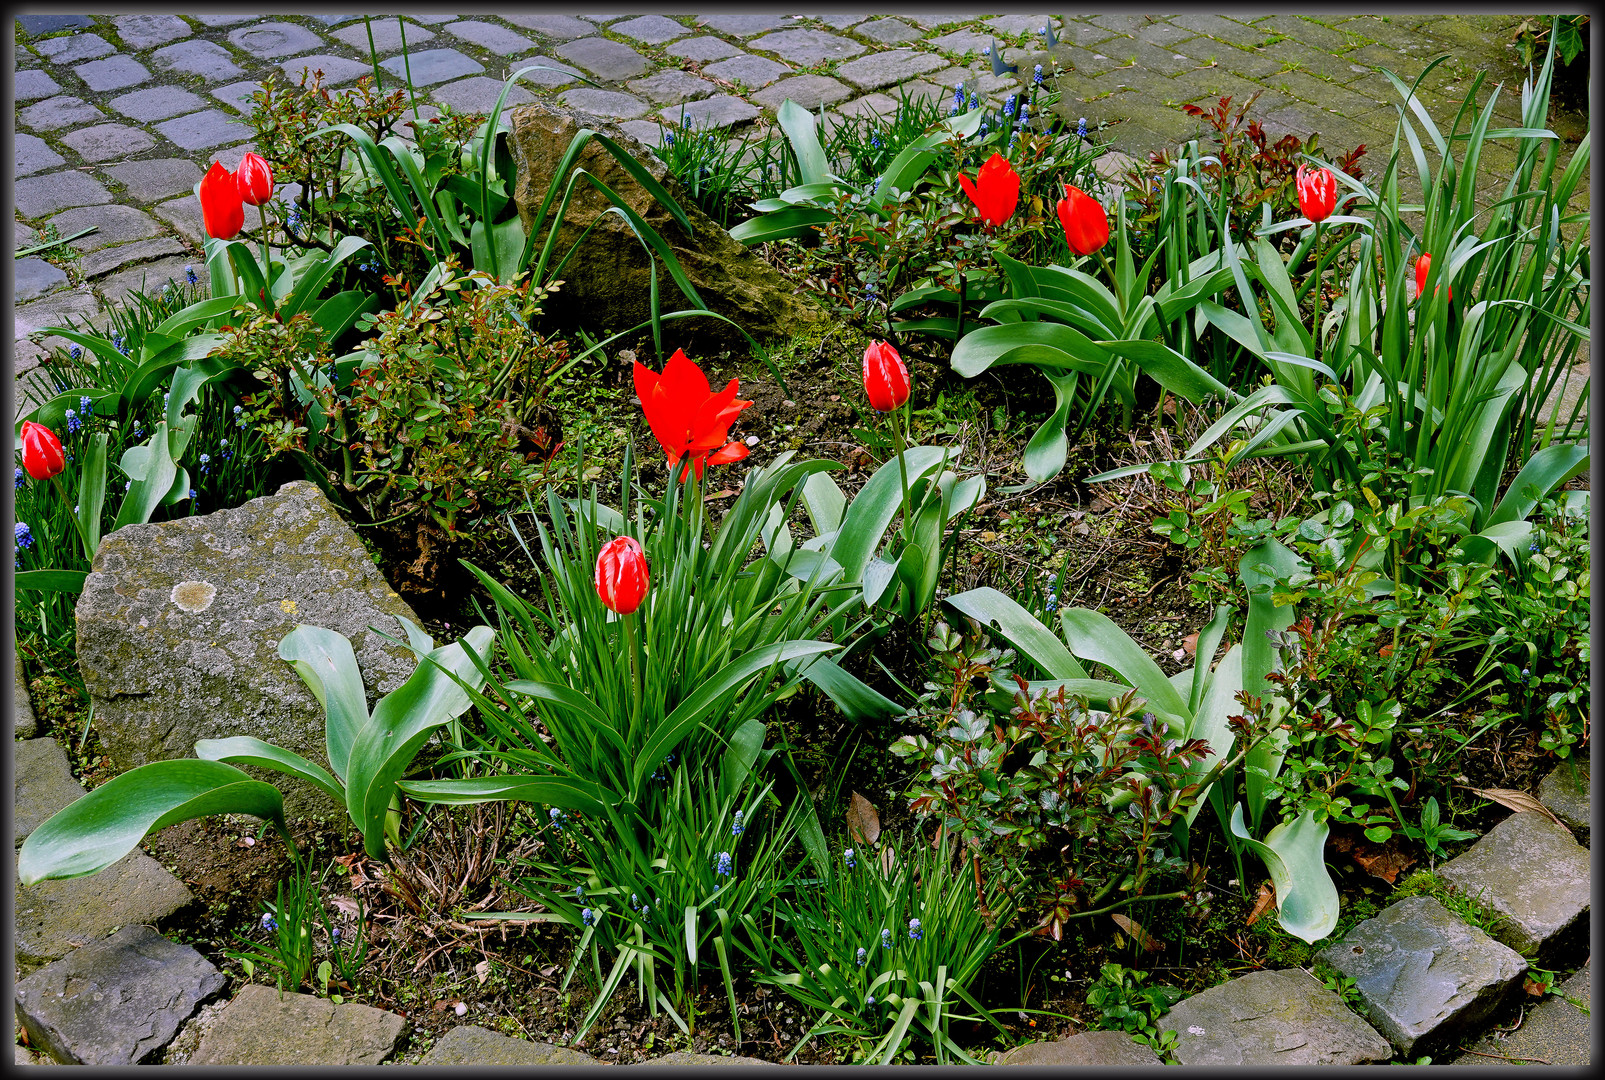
(1086, 226)
(1317, 192)
(995, 190)
(255, 178)
(41, 451)
(221, 209)
(885, 377)
(621, 575)
(1423, 264)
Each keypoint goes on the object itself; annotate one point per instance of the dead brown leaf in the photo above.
(863, 822)
(1262, 903)
(1138, 934)
(1519, 801)
(1533, 987)
(888, 861)
(722, 494)
(482, 971)
(1190, 644)
(345, 905)
(1386, 860)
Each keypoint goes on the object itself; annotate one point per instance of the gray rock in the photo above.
(53, 114)
(218, 18)
(179, 626)
(609, 103)
(57, 309)
(1530, 870)
(651, 29)
(646, 132)
(672, 87)
(112, 73)
(889, 31)
(25, 725)
(155, 178)
(746, 26)
(550, 72)
(33, 84)
(42, 195)
(117, 1001)
(682, 1058)
(1271, 1018)
(556, 27)
(183, 214)
(932, 22)
(961, 41)
(720, 111)
(55, 917)
(386, 35)
(35, 277)
(269, 41)
(1018, 24)
(337, 70)
(883, 69)
(237, 96)
(1566, 791)
(70, 50)
(749, 71)
(106, 142)
(49, 24)
(498, 39)
(260, 1028)
(203, 59)
(605, 59)
(432, 66)
(114, 225)
(1086, 1048)
(143, 31)
(1557, 1031)
(839, 22)
(1113, 166)
(43, 785)
(703, 49)
(1423, 975)
(98, 264)
(805, 48)
(479, 94)
(157, 103)
(32, 154)
(202, 130)
(477, 1046)
(809, 91)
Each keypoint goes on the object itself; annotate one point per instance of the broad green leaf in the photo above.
(1096, 637)
(798, 124)
(326, 663)
(1170, 369)
(856, 699)
(997, 612)
(1008, 343)
(1219, 701)
(92, 491)
(564, 792)
(1294, 853)
(64, 581)
(872, 510)
(245, 750)
(1049, 446)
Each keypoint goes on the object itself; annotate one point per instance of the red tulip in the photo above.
(1086, 226)
(1423, 264)
(221, 207)
(41, 451)
(255, 178)
(885, 377)
(995, 191)
(1317, 192)
(621, 575)
(688, 419)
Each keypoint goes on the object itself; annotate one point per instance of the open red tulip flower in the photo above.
(1086, 226)
(995, 191)
(622, 578)
(1424, 264)
(255, 178)
(1317, 192)
(885, 377)
(222, 209)
(41, 451)
(690, 421)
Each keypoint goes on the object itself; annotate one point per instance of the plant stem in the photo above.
(78, 526)
(267, 261)
(1315, 319)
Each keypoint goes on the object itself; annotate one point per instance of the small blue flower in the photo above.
(556, 814)
(75, 352)
(1533, 546)
(579, 892)
(1036, 76)
(985, 127)
(914, 931)
(863, 954)
(721, 866)
(736, 827)
(20, 479)
(635, 902)
(986, 50)
(222, 442)
(875, 141)
(1008, 105)
(192, 493)
(292, 223)
(86, 406)
(72, 422)
(886, 938)
(24, 535)
(1081, 128)
(269, 922)
(1524, 674)
(128, 485)
(117, 342)
(973, 100)
(852, 862)
(189, 275)
(869, 1000)
(205, 458)
(586, 917)
(335, 933)
(1053, 602)
(668, 138)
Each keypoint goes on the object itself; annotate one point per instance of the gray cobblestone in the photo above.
(556, 27)
(112, 73)
(146, 277)
(565, 73)
(202, 130)
(70, 50)
(605, 59)
(806, 48)
(34, 84)
(103, 142)
(961, 41)
(884, 69)
(142, 32)
(868, 107)
(934, 22)
(809, 91)
(839, 22)
(609, 103)
(432, 66)
(672, 87)
(237, 95)
(218, 18)
(745, 26)
(40, 196)
(479, 94)
(650, 29)
(889, 31)
(748, 71)
(720, 111)
(98, 264)
(498, 39)
(645, 132)
(157, 103)
(432, 20)
(337, 70)
(114, 224)
(155, 178)
(183, 215)
(269, 41)
(386, 35)
(32, 154)
(703, 49)
(204, 59)
(33, 277)
(49, 24)
(1019, 24)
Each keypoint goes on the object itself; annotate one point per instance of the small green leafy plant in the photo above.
(1125, 1004)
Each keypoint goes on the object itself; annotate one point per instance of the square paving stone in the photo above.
(118, 1001)
(432, 66)
(608, 103)
(646, 132)
(183, 215)
(112, 73)
(97, 264)
(720, 111)
(142, 32)
(605, 59)
(806, 48)
(1425, 977)
(262, 1027)
(147, 278)
(479, 94)
(42, 195)
(476, 1046)
(748, 71)
(1531, 871)
(157, 103)
(1567, 791)
(33, 84)
(70, 50)
(337, 70)
(651, 29)
(883, 69)
(1019, 24)
(218, 18)
(114, 224)
(888, 31)
(961, 41)
(933, 22)
(386, 35)
(672, 87)
(49, 24)
(703, 49)
(868, 108)
(32, 278)
(43, 781)
(549, 72)
(809, 91)
(201, 130)
(269, 41)
(839, 22)
(55, 917)
(746, 26)
(432, 20)
(106, 142)
(498, 39)
(557, 27)
(156, 178)
(1272, 1018)
(237, 95)
(30, 154)
(205, 59)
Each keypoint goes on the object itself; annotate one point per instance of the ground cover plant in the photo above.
(898, 710)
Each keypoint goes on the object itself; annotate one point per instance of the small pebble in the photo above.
(462, 1008)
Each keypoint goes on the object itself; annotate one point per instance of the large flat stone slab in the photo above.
(1085, 1049)
(1424, 976)
(1557, 1031)
(117, 1001)
(55, 917)
(44, 783)
(683, 1059)
(260, 1028)
(25, 725)
(882, 69)
(1271, 1018)
(1531, 871)
(477, 1046)
(1567, 791)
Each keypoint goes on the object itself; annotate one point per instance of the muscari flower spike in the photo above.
(21, 478)
(851, 860)
(736, 827)
(914, 931)
(73, 423)
(586, 917)
(721, 865)
(189, 275)
(863, 954)
(24, 535)
(886, 938)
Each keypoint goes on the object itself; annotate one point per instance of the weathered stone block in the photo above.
(1271, 1018)
(42, 195)
(144, 31)
(1567, 791)
(112, 73)
(268, 41)
(605, 59)
(106, 142)
(1531, 871)
(650, 29)
(805, 48)
(55, 917)
(748, 71)
(432, 66)
(43, 785)
(477, 1046)
(703, 49)
(557, 27)
(1083, 1049)
(34, 277)
(205, 59)
(31, 154)
(155, 178)
(387, 35)
(479, 93)
(25, 724)
(260, 1028)
(883, 69)
(498, 39)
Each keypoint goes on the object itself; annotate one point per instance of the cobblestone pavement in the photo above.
(117, 116)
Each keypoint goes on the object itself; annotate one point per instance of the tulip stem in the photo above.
(267, 264)
(78, 526)
(632, 646)
(1315, 319)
